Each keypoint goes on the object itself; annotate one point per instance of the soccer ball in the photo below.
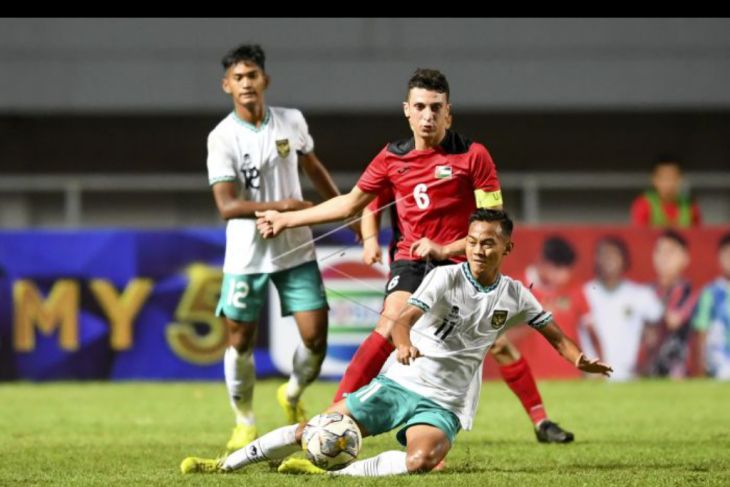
(332, 441)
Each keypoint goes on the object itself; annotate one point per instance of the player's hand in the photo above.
(424, 247)
(371, 252)
(405, 353)
(593, 366)
(270, 223)
(292, 204)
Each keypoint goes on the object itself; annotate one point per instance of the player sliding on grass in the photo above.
(441, 339)
(437, 179)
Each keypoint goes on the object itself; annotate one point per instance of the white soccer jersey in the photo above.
(619, 316)
(462, 320)
(264, 161)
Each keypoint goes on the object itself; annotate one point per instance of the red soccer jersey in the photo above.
(433, 188)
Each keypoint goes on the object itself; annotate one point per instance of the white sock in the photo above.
(274, 445)
(305, 369)
(387, 463)
(240, 378)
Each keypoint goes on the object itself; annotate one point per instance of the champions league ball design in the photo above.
(332, 441)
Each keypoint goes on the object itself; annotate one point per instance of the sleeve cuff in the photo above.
(419, 304)
(541, 320)
(221, 179)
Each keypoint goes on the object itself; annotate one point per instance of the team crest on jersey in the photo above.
(282, 147)
(443, 172)
(499, 318)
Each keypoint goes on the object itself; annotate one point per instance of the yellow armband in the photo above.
(488, 200)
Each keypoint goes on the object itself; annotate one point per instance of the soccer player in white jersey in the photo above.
(253, 156)
(441, 339)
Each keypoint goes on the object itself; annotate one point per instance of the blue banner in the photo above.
(113, 304)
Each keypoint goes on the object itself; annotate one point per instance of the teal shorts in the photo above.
(300, 289)
(384, 405)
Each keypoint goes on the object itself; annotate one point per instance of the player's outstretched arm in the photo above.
(324, 184)
(230, 205)
(568, 349)
(271, 223)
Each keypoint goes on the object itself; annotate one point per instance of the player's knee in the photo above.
(240, 339)
(422, 461)
(317, 344)
(383, 328)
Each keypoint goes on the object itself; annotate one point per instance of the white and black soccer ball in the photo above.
(332, 441)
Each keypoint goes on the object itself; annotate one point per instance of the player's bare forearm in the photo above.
(401, 327)
(570, 351)
(457, 247)
(370, 224)
(230, 205)
(564, 345)
(593, 337)
(335, 209)
(320, 177)
(426, 248)
(401, 334)
(370, 227)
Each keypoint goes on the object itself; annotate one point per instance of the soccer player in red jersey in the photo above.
(438, 178)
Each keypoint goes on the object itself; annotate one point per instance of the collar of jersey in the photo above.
(251, 126)
(475, 283)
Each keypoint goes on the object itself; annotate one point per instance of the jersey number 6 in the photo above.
(421, 196)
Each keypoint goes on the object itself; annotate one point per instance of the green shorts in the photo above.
(384, 405)
(300, 289)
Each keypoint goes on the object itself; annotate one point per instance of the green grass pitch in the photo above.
(642, 433)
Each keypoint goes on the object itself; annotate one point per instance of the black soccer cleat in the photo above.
(549, 432)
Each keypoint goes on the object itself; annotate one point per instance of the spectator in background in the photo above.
(550, 280)
(665, 346)
(665, 205)
(620, 308)
(712, 318)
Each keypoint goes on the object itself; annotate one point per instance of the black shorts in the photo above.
(407, 275)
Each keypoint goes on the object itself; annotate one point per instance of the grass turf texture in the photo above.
(642, 433)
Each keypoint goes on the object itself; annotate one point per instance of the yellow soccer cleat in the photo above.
(242, 435)
(298, 466)
(294, 414)
(201, 465)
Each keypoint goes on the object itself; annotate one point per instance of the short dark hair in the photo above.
(617, 243)
(429, 79)
(724, 240)
(558, 251)
(487, 215)
(676, 237)
(252, 53)
(666, 160)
